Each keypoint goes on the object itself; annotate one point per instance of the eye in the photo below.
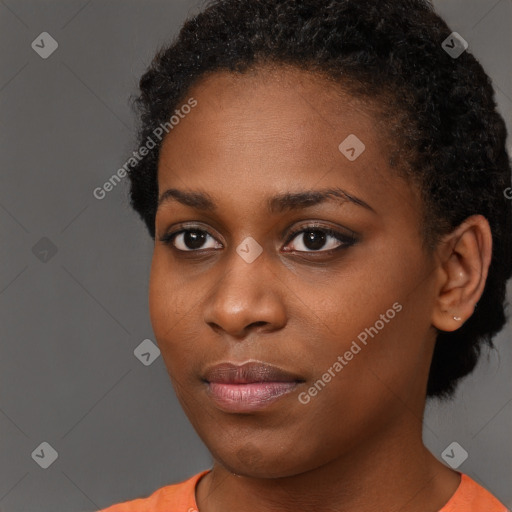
(188, 240)
(315, 237)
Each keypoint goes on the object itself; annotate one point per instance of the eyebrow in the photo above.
(276, 204)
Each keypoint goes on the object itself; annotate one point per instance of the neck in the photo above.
(394, 472)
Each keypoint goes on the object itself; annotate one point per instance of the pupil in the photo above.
(311, 242)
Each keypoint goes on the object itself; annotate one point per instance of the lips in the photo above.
(248, 387)
(229, 373)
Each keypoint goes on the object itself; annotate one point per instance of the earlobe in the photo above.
(464, 257)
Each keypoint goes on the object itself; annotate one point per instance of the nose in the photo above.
(247, 297)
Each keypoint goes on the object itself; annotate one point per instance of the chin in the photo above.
(251, 461)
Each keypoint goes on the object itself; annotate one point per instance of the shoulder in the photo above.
(180, 496)
(470, 496)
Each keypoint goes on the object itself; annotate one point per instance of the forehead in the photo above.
(274, 98)
(272, 130)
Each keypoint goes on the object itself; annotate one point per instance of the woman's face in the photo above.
(345, 316)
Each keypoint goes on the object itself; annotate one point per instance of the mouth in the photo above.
(248, 387)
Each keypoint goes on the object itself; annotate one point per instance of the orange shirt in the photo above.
(469, 497)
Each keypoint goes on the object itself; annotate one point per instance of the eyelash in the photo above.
(346, 240)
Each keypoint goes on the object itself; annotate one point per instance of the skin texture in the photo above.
(357, 444)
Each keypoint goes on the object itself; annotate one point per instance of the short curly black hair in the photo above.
(439, 110)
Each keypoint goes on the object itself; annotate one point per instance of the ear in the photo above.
(464, 257)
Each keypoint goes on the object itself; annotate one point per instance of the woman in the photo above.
(326, 196)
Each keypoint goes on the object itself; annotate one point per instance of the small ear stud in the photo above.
(457, 318)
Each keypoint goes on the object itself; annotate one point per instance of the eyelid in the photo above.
(185, 226)
(312, 225)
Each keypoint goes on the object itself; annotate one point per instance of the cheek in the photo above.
(384, 360)
(370, 318)
(367, 387)
(160, 305)
(173, 314)
(166, 305)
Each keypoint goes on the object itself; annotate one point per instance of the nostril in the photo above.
(257, 324)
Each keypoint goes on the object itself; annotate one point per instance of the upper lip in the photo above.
(247, 373)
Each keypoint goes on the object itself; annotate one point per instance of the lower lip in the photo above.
(248, 397)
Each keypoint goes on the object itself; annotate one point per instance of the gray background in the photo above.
(70, 321)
